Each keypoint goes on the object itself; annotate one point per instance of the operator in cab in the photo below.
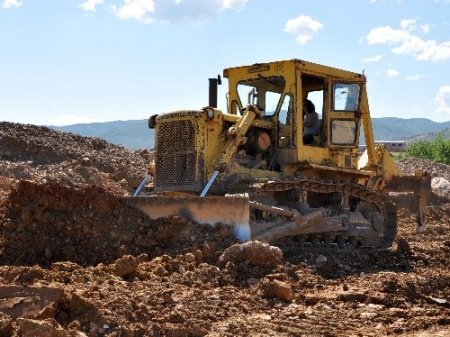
(311, 123)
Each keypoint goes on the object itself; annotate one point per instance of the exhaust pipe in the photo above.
(213, 83)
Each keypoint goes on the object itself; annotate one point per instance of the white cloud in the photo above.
(392, 73)
(425, 28)
(90, 5)
(443, 99)
(233, 4)
(174, 11)
(11, 3)
(408, 24)
(138, 10)
(408, 43)
(397, 1)
(304, 27)
(386, 35)
(414, 77)
(428, 50)
(375, 58)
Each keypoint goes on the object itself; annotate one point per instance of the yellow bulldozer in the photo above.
(254, 168)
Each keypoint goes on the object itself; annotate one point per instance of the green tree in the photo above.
(437, 149)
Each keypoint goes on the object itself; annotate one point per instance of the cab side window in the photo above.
(285, 123)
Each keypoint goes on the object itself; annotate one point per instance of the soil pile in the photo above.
(30, 152)
(75, 261)
(408, 166)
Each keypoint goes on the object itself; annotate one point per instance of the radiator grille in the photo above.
(176, 155)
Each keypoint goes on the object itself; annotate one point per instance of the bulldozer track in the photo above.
(381, 201)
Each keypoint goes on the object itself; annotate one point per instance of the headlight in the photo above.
(210, 114)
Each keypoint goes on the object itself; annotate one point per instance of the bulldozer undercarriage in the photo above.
(353, 217)
(295, 213)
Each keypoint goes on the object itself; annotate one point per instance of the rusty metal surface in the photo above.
(409, 184)
(421, 186)
(370, 237)
(231, 210)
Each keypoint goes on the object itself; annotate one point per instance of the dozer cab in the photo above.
(249, 167)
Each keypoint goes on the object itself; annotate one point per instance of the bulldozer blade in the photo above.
(229, 210)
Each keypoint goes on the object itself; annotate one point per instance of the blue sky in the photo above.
(78, 61)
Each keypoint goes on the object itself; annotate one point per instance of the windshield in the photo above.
(263, 92)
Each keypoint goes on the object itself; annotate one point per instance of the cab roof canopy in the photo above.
(278, 66)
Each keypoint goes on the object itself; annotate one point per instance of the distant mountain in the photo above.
(393, 128)
(135, 134)
(429, 136)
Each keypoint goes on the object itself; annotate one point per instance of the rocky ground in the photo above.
(76, 262)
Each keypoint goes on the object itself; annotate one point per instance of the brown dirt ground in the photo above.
(75, 261)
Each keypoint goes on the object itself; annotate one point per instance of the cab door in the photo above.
(344, 115)
(344, 122)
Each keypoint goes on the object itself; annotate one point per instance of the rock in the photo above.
(122, 250)
(368, 315)
(256, 253)
(85, 161)
(441, 187)
(189, 257)
(29, 302)
(75, 333)
(78, 304)
(45, 328)
(65, 266)
(124, 266)
(223, 232)
(176, 317)
(92, 326)
(160, 271)
(145, 241)
(198, 255)
(208, 249)
(6, 327)
(352, 297)
(252, 281)
(103, 329)
(165, 258)
(167, 298)
(277, 276)
(142, 258)
(321, 260)
(403, 245)
(156, 330)
(278, 289)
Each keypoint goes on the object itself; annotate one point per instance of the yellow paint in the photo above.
(220, 138)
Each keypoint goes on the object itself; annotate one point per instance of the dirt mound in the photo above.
(408, 166)
(41, 154)
(440, 174)
(44, 223)
(76, 261)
